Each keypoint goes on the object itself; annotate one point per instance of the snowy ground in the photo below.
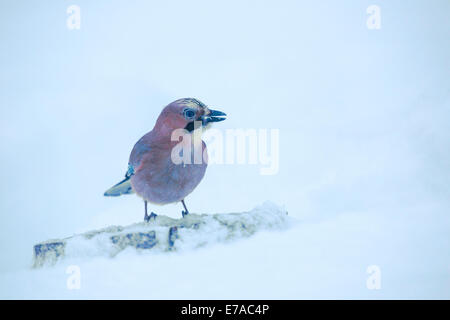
(327, 259)
(162, 234)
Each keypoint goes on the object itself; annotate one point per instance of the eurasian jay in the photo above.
(152, 172)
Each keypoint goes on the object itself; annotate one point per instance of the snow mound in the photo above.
(163, 234)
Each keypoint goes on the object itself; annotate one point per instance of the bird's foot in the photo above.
(184, 213)
(147, 217)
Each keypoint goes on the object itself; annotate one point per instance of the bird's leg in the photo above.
(146, 216)
(185, 211)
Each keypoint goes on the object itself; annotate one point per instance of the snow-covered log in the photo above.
(163, 234)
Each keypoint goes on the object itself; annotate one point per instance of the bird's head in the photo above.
(188, 113)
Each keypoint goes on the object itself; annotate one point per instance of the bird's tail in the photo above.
(123, 187)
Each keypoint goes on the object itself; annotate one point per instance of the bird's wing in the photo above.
(139, 150)
(130, 171)
(124, 186)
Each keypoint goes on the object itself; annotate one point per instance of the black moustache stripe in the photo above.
(190, 126)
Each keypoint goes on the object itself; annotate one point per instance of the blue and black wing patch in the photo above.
(123, 187)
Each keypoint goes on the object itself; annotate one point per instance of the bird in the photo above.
(152, 172)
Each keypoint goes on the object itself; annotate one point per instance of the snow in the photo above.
(322, 259)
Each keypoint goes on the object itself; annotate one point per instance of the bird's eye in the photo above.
(189, 114)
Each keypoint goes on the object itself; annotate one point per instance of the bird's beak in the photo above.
(213, 116)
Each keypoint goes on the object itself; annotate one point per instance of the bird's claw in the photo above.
(147, 217)
(184, 213)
